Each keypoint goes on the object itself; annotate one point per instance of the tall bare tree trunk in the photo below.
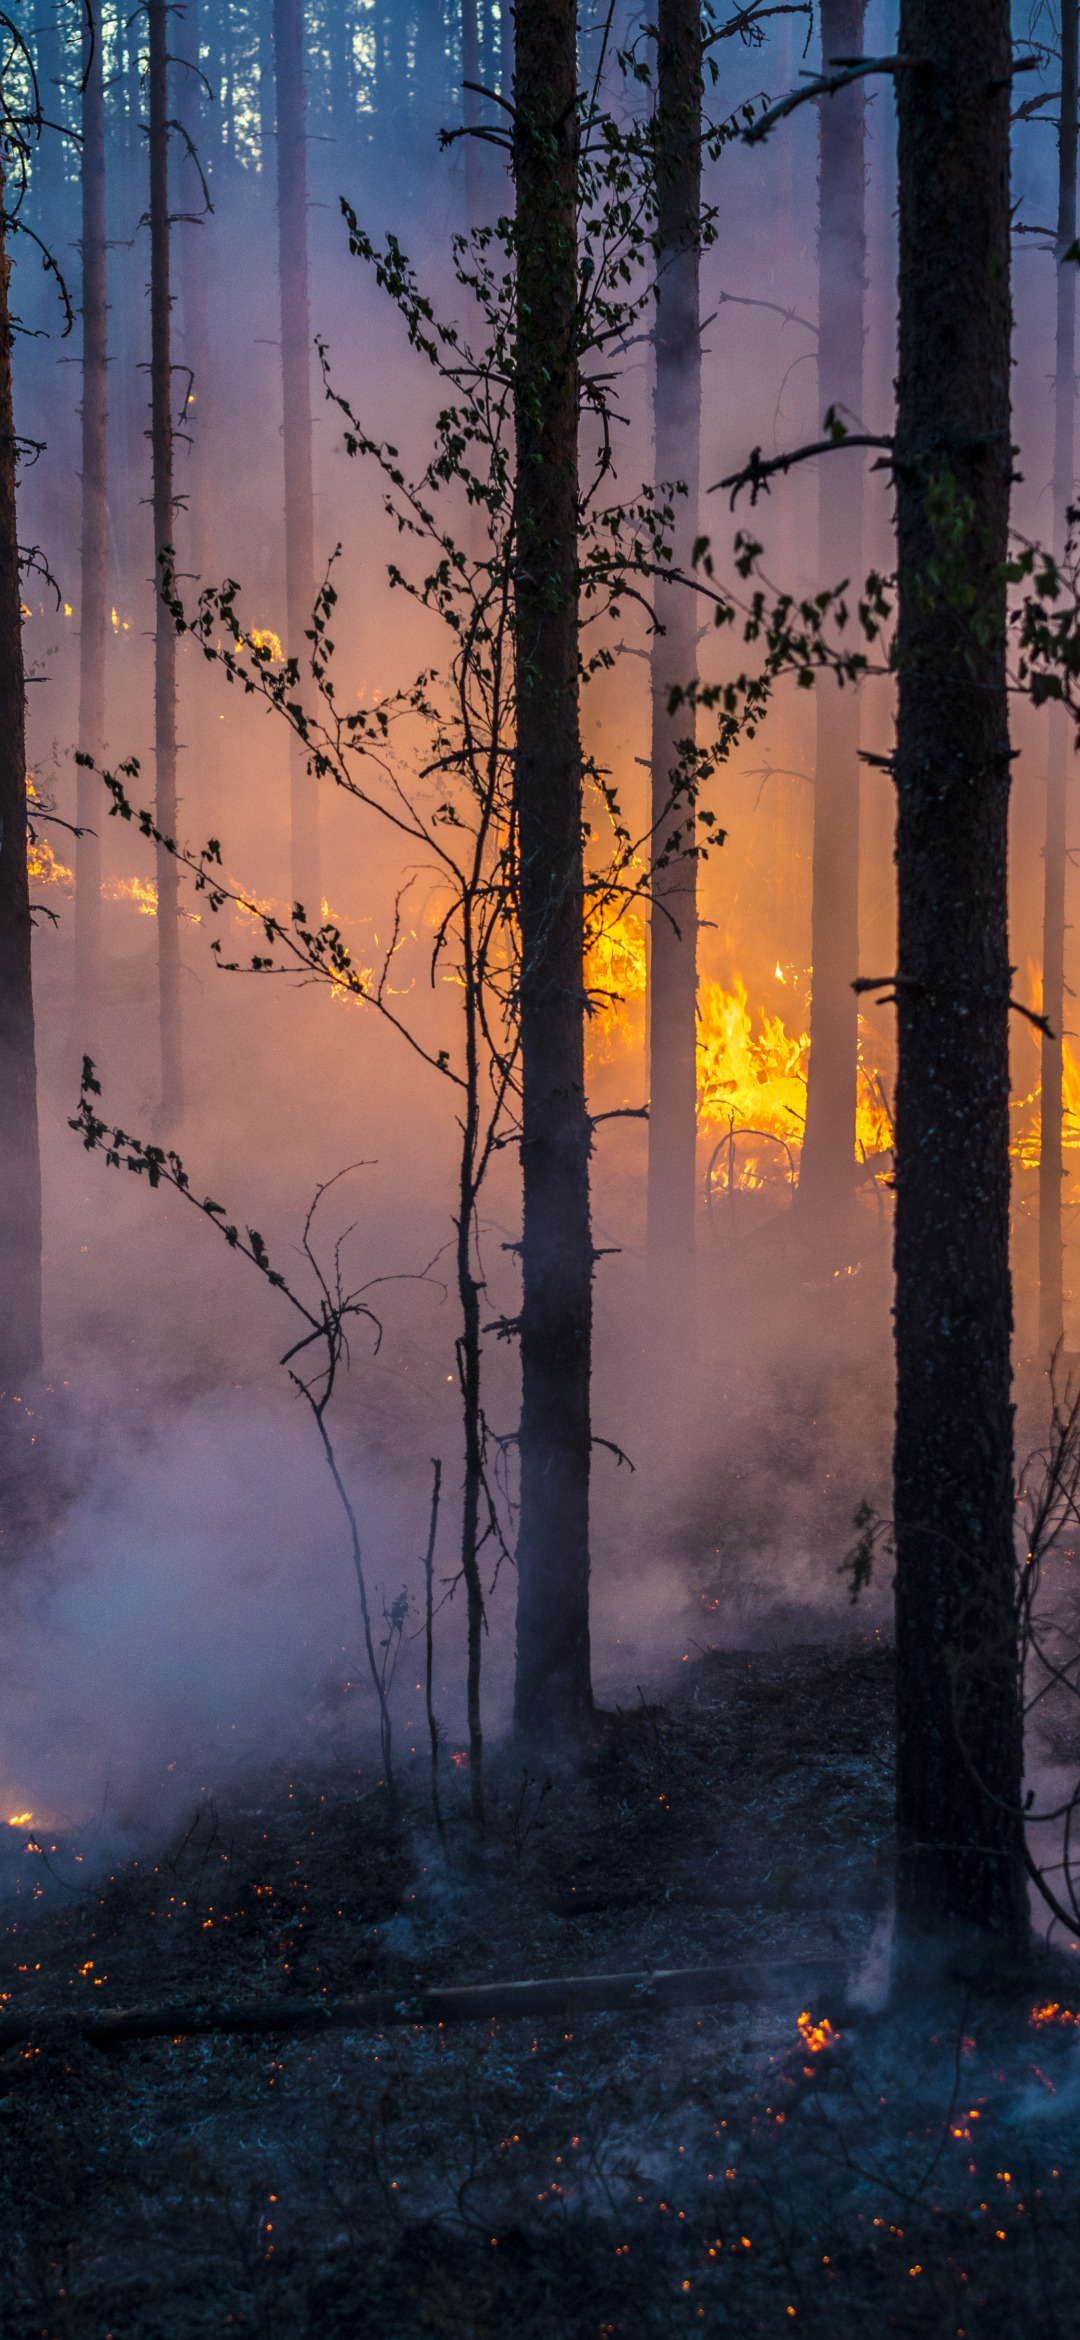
(93, 616)
(470, 71)
(673, 922)
(553, 1694)
(1051, 1165)
(20, 1168)
(161, 440)
(960, 1871)
(827, 1168)
(192, 257)
(296, 411)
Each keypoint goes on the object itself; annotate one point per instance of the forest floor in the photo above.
(737, 2168)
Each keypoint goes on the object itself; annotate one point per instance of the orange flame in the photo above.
(1054, 2012)
(816, 2036)
(135, 889)
(43, 867)
(751, 1068)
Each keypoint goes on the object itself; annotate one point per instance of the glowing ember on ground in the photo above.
(1053, 2012)
(816, 2036)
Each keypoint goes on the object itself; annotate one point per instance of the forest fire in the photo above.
(752, 1069)
(432, 1929)
(44, 867)
(140, 892)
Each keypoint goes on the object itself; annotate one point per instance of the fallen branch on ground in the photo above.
(564, 1996)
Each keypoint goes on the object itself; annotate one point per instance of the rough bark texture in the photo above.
(827, 1167)
(161, 440)
(673, 922)
(553, 1693)
(93, 614)
(1051, 1165)
(296, 412)
(959, 1733)
(20, 1171)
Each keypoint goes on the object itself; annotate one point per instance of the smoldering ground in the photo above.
(777, 2158)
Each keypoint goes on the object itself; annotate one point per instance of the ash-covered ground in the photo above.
(740, 2168)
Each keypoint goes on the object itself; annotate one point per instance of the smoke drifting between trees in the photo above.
(556, 780)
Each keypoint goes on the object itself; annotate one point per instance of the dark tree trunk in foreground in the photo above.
(553, 1692)
(827, 1167)
(93, 614)
(20, 1170)
(296, 414)
(470, 71)
(161, 440)
(1051, 1165)
(959, 1731)
(673, 922)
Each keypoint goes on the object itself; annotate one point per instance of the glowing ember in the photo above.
(1053, 2012)
(20, 1819)
(816, 2036)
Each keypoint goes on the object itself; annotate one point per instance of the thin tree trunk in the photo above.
(960, 1861)
(93, 616)
(161, 440)
(827, 1167)
(1051, 1165)
(469, 1365)
(20, 1169)
(192, 255)
(553, 1692)
(470, 71)
(296, 410)
(673, 922)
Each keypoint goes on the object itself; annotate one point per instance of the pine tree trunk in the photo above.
(20, 1169)
(161, 441)
(1051, 1164)
(296, 408)
(93, 615)
(470, 71)
(192, 255)
(959, 1729)
(827, 1167)
(553, 1692)
(673, 922)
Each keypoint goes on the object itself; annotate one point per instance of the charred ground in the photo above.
(637, 2174)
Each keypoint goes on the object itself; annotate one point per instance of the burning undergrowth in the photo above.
(779, 2158)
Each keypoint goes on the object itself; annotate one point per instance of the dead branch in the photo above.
(563, 1996)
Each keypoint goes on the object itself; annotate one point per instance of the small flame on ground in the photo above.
(1054, 2012)
(20, 1819)
(816, 2036)
(43, 867)
(135, 889)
